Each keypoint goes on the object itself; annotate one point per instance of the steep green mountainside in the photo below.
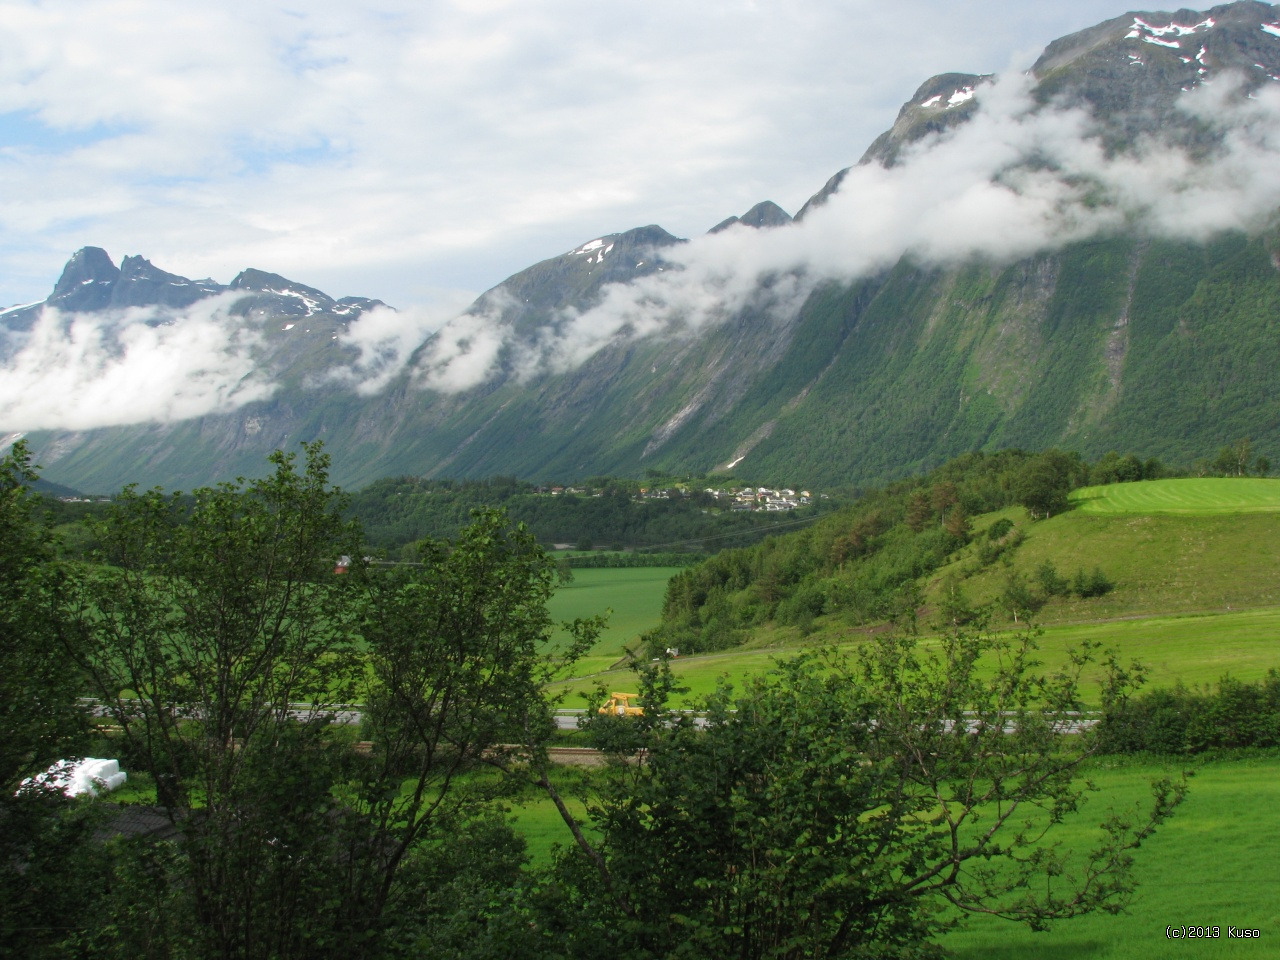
(1125, 341)
(1164, 347)
(1126, 344)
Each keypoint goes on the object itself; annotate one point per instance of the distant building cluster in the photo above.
(762, 498)
(733, 498)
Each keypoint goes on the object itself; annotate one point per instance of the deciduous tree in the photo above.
(855, 806)
(225, 643)
(41, 837)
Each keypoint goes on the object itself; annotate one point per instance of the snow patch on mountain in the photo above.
(313, 305)
(21, 306)
(963, 95)
(1150, 33)
(595, 250)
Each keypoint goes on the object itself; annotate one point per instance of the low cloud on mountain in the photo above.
(1012, 182)
(385, 340)
(86, 370)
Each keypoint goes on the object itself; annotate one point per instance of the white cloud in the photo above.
(397, 149)
(465, 351)
(455, 142)
(1013, 181)
(80, 371)
(385, 340)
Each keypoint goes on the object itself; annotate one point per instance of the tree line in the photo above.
(397, 512)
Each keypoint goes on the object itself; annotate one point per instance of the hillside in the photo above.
(1192, 596)
(1120, 307)
(1161, 563)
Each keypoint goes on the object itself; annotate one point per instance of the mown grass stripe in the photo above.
(1192, 496)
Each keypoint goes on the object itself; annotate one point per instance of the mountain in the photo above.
(1138, 333)
(763, 215)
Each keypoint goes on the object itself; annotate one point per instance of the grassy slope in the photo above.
(1160, 564)
(1197, 589)
(1215, 861)
(1170, 546)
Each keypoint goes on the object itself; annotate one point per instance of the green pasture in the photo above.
(1214, 863)
(1159, 563)
(1196, 650)
(1192, 496)
(632, 595)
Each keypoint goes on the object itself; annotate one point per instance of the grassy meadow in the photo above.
(1161, 564)
(1190, 496)
(1196, 568)
(1214, 862)
(1196, 650)
(632, 597)
(1197, 591)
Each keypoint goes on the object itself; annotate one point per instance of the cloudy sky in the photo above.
(420, 152)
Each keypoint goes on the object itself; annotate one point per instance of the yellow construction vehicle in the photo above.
(619, 704)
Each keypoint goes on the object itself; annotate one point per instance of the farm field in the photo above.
(1197, 589)
(1196, 650)
(1191, 496)
(1213, 863)
(633, 594)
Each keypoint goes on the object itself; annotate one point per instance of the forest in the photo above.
(605, 512)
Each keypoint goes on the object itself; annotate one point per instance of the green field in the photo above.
(1196, 567)
(1196, 650)
(1196, 596)
(632, 594)
(1214, 863)
(1191, 496)
(1160, 564)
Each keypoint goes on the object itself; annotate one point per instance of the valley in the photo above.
(1203, 546)
(933, 527)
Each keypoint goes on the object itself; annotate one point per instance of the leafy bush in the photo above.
(1094, 584)
(999, 528)
(1050, 581)
(1182, 720)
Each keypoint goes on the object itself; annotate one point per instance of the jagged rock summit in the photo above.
(91, 282)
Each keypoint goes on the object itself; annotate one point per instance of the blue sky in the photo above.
(422, 152)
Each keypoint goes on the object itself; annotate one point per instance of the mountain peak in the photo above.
(292, 298)
(1131, 71)
(86, 282)
(142, 284)
(763, 215)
